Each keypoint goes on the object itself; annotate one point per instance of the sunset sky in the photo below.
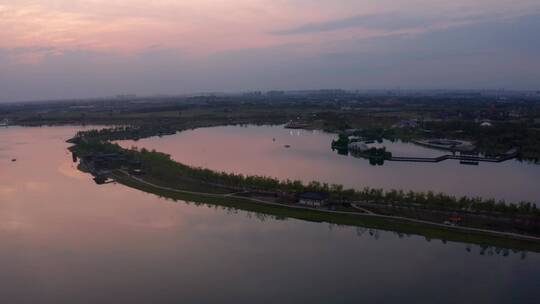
(69, 48)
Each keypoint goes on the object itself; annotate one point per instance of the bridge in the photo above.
(465, 158)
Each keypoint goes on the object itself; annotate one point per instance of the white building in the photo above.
(358, 147)
(312, 199)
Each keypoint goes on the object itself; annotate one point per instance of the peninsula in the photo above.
(156, 172)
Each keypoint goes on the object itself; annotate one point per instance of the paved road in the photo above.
(355, 206)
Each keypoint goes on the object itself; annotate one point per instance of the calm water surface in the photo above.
(67, 240)
(251, 150)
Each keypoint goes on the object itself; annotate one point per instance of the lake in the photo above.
(252, 150)
(67, 240)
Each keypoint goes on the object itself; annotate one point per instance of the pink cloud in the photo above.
(202, 27)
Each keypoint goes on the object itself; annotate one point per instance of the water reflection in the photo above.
(66, 240)
(259, 150)
(361, 232)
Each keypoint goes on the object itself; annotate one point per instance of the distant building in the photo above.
(515, 114)
(275, 93)
(126, 96)
(358, 147)
(313, 199)
(407, 123)
(252, 94)
(453, 221)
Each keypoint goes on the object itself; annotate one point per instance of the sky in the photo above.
(57, 49)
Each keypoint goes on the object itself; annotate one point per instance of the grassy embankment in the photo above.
(283, 212)
(163, 171)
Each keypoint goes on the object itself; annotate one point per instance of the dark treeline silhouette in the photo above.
(499, 138)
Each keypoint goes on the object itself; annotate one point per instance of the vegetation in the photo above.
(161, 167)
(342, 142)
(499, 138)
(374, 116)
(515, 119)
(282, 212)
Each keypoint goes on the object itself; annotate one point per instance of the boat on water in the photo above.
(4, 123)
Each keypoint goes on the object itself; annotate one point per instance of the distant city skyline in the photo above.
(85, 49)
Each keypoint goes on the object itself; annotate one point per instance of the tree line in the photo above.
(161, 167)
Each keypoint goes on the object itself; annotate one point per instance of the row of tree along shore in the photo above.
(522, 217)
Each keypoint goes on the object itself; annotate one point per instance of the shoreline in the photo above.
(453, 233)
(169, 171)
